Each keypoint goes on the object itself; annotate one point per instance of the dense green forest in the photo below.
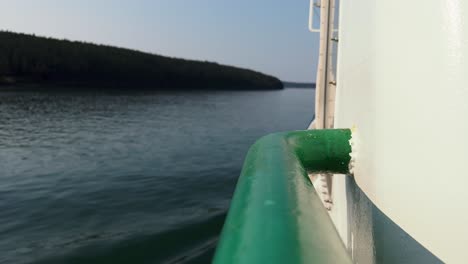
(28, 59)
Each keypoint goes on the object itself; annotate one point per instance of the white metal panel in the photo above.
(403, 84)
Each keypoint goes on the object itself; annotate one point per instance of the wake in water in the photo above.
(192, 243)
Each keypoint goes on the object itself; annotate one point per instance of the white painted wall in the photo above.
(403, 83)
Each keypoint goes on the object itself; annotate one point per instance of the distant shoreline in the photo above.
(66, 86)
(298, 85)
(115, 88)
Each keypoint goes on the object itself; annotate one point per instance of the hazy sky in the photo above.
(270, 36)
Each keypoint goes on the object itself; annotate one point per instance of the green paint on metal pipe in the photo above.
(275, 215)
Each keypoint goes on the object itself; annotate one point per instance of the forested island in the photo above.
(28, 59)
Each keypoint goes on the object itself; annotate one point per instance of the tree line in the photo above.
(30, 59)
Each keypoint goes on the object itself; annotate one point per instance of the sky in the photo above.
(269, 36)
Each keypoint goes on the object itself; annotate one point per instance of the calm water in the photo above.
(128, 178)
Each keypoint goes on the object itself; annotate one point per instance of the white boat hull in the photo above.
(402, 84)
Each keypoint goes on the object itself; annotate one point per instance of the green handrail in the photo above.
(275, 215)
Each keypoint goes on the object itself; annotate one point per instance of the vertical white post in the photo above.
(322, 68)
